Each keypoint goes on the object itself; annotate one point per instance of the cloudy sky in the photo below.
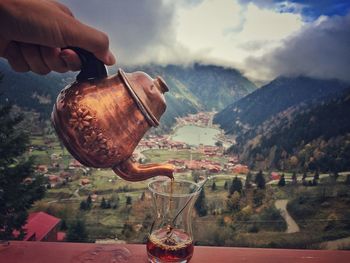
(262, 38)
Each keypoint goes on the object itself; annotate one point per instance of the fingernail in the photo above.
(110, 59)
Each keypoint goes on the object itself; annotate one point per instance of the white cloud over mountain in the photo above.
(320, 49)
(255, 36)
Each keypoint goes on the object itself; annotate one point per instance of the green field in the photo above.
(244, 226)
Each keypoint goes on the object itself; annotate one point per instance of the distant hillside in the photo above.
(281, 94)
(32, 91)
(191, 89)
(310, 138)
(199, 87)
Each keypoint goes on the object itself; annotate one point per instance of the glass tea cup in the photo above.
(171, 238)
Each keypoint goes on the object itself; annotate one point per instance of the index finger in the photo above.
(86, 37)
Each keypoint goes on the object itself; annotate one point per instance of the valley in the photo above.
(235, 208)
(285, 143)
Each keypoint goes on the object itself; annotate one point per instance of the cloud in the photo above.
(137, 29)
(221, 32)
(320, 49)
(181, 32)
(228, 31)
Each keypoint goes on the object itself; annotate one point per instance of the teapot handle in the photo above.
(91, 67)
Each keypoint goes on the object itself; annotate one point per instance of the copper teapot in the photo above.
(101, 119)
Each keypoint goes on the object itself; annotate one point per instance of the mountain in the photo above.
(292, 123)
(279, 95)
(311, 138)
(31, 91)
(199, 88)
(192, 89)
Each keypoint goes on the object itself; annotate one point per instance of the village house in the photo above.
(240, 169)
(42, 168)
(210, 166)
(54, 180)
(66, 176)
(177, 145)
(275, 176)
(233, 160)
(28, 180)
(75, 164)
(211, 150)
(94, 197)
(41, 226)
(177, 162)
(84, 181)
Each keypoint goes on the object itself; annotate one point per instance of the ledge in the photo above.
(44, 252)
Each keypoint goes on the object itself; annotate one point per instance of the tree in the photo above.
(83, 205)
(236, 186)
(63, 225)
(16, 194)
(213, 186)
(304, 176)
(103, 204)
(196, 175)
(258, 197)
(226, 185)
(282, 181)
(143, 195)
(219, 144)
(89, 202)
(86, 204)
(233, 201)
(248, 180)
(200, 205)
(127, 230)
(315, 179)
(347, 180)
(128, 200)
(260, 180)
(114, 201)
(294, 178)
(333, 177)
(77, 231)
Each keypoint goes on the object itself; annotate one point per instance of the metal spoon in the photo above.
(188, 201)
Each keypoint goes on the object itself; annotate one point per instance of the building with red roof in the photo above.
(240, 169)
(275, 176)
(41, 227)
(85, 181)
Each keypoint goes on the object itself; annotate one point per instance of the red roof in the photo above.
(275, 176)
(61, 236)
(39, 224)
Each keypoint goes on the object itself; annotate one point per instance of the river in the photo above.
(195, 135)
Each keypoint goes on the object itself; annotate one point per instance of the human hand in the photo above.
(33, 34)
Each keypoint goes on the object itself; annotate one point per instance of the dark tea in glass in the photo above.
(170, 239)
(174, 246)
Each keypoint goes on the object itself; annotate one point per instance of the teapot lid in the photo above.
(147, 93)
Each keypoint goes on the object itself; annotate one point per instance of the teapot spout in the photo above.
(132, 171)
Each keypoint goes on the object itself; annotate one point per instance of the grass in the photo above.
(109, 223)
(166, 155)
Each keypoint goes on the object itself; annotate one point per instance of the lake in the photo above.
(195, 135)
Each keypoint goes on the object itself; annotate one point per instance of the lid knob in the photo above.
(161, 85)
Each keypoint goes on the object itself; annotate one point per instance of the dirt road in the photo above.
(292, 226)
